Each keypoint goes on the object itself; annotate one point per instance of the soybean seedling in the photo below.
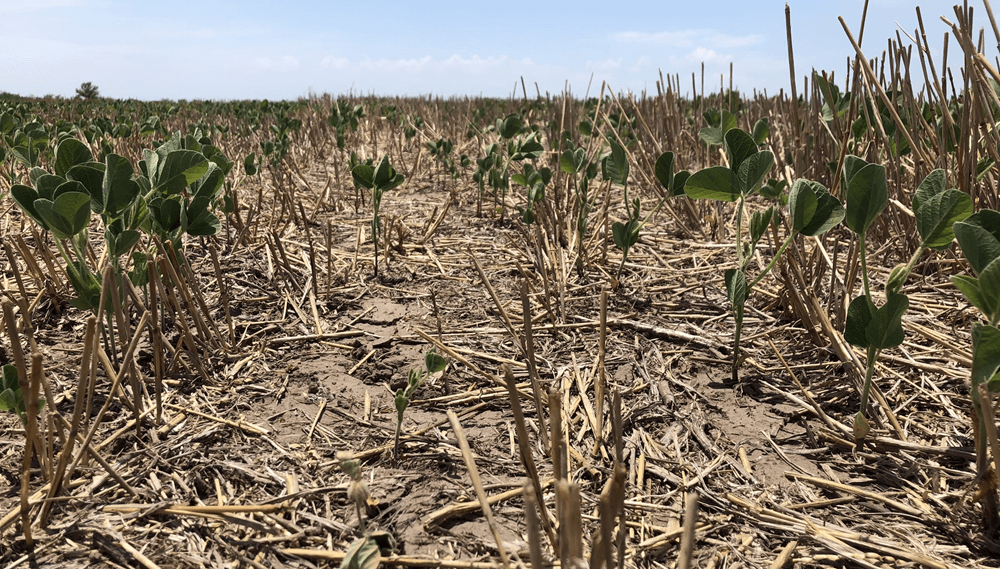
(574, 162)
(378, 180)
(873, 329)
(979, 237)
(937, 211)
(812, 211)
(615, 169)
(365, 552)
(433, 363)
(11, 397)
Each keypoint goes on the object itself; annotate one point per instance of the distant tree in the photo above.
(87, 91)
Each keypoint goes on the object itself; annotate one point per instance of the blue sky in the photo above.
(237, 50)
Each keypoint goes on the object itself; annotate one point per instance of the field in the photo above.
(634, 330)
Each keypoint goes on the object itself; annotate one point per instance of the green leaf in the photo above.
(802, 203)
(852, 165)
(528, 149)
(989, 288)
(625, 234)
(715, 183)
(69, 214)
(969, 286)
(46, 185)
(937, 215)
(829, 212)
(753, 170)
(573, 161)
(69, 153)
(216, 157)
(165, 213)
(385, 177)
(86, 285)
(979, 237)
(139, 275)
(759, 222)
(180, 169)
(91, 175)
(680, 179)
(714, 135)
(761, 130)
(25, 198)
(363, 553)
(886, 329)
(616, 165)
(933, 184)
(509, 126)
(118, 187)
(867, 196)
(248, 164)
(210, 186)
(739, 147)
(985, 354)
(197, 220)
(364, 176)
(859, 315)
(664, 170)
(7, 124)
(736, 287)
(434, 362)
(713, 117)
(121, 243)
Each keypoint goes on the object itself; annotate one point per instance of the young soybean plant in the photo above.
(11, 397)
(812, 211)
(574, 162)
(936, 210)
(979, 237)
(379, 179)
(433, 363)
(615, 170)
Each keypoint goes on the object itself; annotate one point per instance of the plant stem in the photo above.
(774, 261)
(738, 316)
(869, 371)
(739, 232)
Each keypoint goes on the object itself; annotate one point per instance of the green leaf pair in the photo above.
(747, 168)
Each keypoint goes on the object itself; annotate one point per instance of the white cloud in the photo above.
(704, 54)
(689, 38)
(281, 65)
(331, 62)
(641, 64)
(605, 64)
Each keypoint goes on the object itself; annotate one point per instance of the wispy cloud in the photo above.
(688, 38)
(605, 64)
(706, 55)
(280, 65)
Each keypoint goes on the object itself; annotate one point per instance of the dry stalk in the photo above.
(524, 445)
(477, 483)
(86, 370)
(529, 345)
